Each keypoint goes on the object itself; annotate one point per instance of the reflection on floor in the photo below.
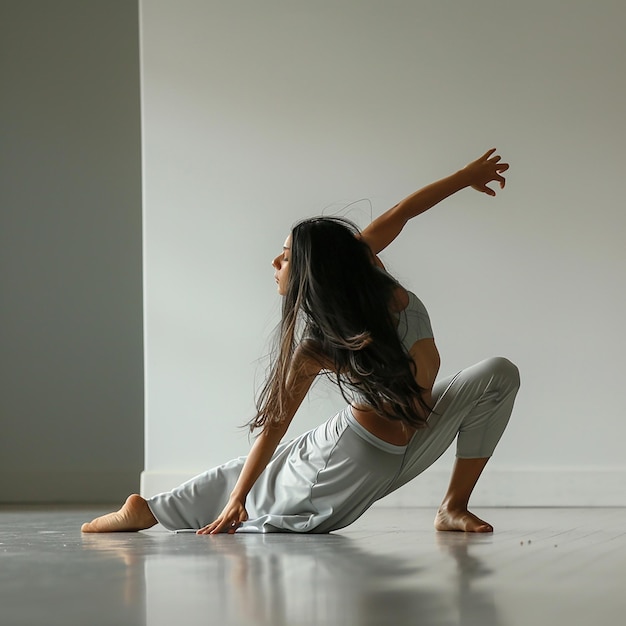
(542, 566)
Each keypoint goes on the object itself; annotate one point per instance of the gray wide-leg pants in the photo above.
(328, 477)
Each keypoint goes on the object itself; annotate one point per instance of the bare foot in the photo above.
(460, 520)
(134, 515)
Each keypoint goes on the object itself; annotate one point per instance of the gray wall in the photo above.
(71, 344)
(259, 113)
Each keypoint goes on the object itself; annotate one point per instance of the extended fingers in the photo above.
(206, 529)
(213, 527)
(487, 190)
(495, 160)
(220, 525)
(499, 168)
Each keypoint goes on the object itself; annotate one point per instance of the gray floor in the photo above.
(542, 566)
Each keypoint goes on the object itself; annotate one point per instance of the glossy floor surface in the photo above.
(542, 566)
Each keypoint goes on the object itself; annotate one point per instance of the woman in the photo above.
(343, 315)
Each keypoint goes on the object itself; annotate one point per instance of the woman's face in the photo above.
(281, 267)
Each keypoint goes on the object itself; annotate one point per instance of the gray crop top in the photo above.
(414, 322)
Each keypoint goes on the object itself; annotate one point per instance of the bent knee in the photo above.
(504, 369)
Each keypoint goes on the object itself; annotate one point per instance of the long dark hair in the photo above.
(336, 310)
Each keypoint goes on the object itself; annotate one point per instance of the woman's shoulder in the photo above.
(415, 304)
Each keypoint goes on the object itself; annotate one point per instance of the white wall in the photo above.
(258, 114)
(71, 345)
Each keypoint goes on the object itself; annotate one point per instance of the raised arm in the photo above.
(477, 174)
(304, 371)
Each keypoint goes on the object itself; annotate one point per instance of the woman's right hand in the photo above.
(484, 170)
(230, 519)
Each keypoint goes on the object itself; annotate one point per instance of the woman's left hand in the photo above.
(484, 170)
(230, 519)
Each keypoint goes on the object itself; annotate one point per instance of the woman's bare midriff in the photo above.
(395, 432)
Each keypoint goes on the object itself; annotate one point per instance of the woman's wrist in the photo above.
(238, 495)
(461, 179)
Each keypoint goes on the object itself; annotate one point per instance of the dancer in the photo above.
(345, 316)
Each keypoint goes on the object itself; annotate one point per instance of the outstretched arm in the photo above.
(477, 174)
(304, 373)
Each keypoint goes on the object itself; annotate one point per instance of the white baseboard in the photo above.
(498, 487)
